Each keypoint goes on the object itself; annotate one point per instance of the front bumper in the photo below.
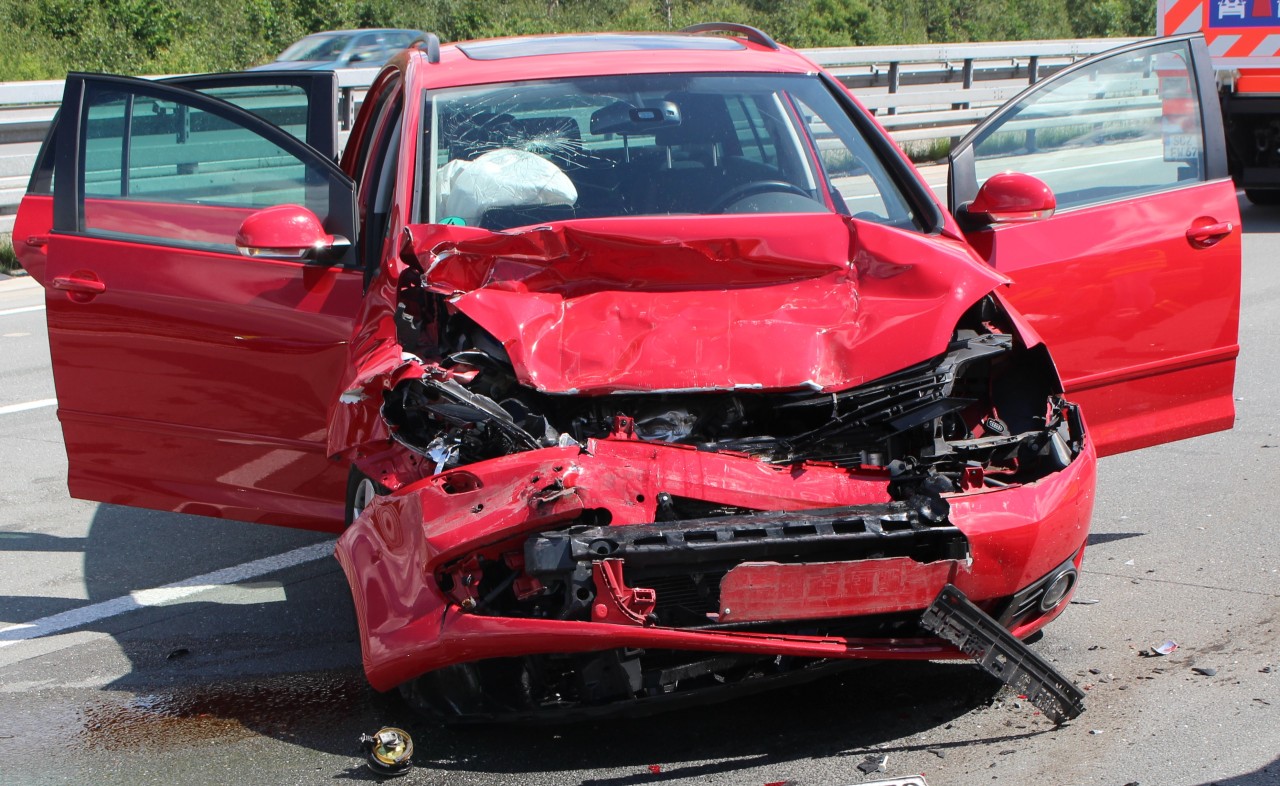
(1015, 536)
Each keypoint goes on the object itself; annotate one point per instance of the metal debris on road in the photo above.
(1083, 601)
(388, 752)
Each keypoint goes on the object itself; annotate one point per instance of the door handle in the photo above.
(81, 286)
(1208, 234)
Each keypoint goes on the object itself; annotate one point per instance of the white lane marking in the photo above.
(24, 310)
(44, 402)
(169, 593)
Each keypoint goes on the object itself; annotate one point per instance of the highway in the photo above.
(139, 647)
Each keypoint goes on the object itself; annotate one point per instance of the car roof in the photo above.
(359, 30)
(599, 54)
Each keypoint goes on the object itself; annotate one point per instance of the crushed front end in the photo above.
(549, 548)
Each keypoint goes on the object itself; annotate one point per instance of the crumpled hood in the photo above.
(773, 302)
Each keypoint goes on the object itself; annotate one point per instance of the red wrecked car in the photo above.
(631, 366)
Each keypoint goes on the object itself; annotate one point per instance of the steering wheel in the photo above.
(752, 188)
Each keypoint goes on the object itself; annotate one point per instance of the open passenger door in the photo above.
(1134, 281)
(191, 376)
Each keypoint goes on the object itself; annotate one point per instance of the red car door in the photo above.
(190, 376)
(1134, 281)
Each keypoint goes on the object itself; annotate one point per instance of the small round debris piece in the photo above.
(389, 751)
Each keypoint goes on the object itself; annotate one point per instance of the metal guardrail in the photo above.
(919, 93)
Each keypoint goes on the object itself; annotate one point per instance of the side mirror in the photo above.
(288, 232)
(1011, 198)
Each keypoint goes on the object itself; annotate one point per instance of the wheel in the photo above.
(1260, 196)
(738, 193)
(361, 489)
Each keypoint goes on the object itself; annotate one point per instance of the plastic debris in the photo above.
(389, 751)
(1096, 731)
(1207, 671)
(1167, 648)
(178, 653)
(1129, 562)
(875, 764)
(655, 768)
(1083, 601)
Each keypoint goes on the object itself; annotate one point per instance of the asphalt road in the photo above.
(258, 681)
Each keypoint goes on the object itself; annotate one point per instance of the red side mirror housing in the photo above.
(1012, 197)
(286, 232)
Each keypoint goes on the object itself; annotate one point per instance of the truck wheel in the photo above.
(361, 489)
(1262, 196)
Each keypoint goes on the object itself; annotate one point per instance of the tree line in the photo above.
(43, 39)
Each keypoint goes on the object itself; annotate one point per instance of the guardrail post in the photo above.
(894, 71)
(1033, 69)
(966, 76)
(346, 109)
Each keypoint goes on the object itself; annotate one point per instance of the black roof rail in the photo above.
(429, 43)
(752, 34)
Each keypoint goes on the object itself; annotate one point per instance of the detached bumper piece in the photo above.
(954, 618)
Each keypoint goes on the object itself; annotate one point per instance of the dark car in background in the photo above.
(367, 48)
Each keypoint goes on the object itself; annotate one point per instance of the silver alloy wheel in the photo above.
(364, 494)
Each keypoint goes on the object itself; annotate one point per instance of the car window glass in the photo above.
(755, 136)
(1126, 126)
(144, 159)
(285, 106)
(509, 155)
(365, 47)
(321, 47)
(398, 41)
(851, 169)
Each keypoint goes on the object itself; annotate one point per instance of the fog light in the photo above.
(388, 752)
(1058, 589)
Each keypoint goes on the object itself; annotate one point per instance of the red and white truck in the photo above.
(1243, 37)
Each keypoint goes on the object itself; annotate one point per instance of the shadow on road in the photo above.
(288, 668)
(1259, 219)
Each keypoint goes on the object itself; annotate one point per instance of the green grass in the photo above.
(926, 151)
(8, 259)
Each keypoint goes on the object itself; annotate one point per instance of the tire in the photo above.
(361, 489)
